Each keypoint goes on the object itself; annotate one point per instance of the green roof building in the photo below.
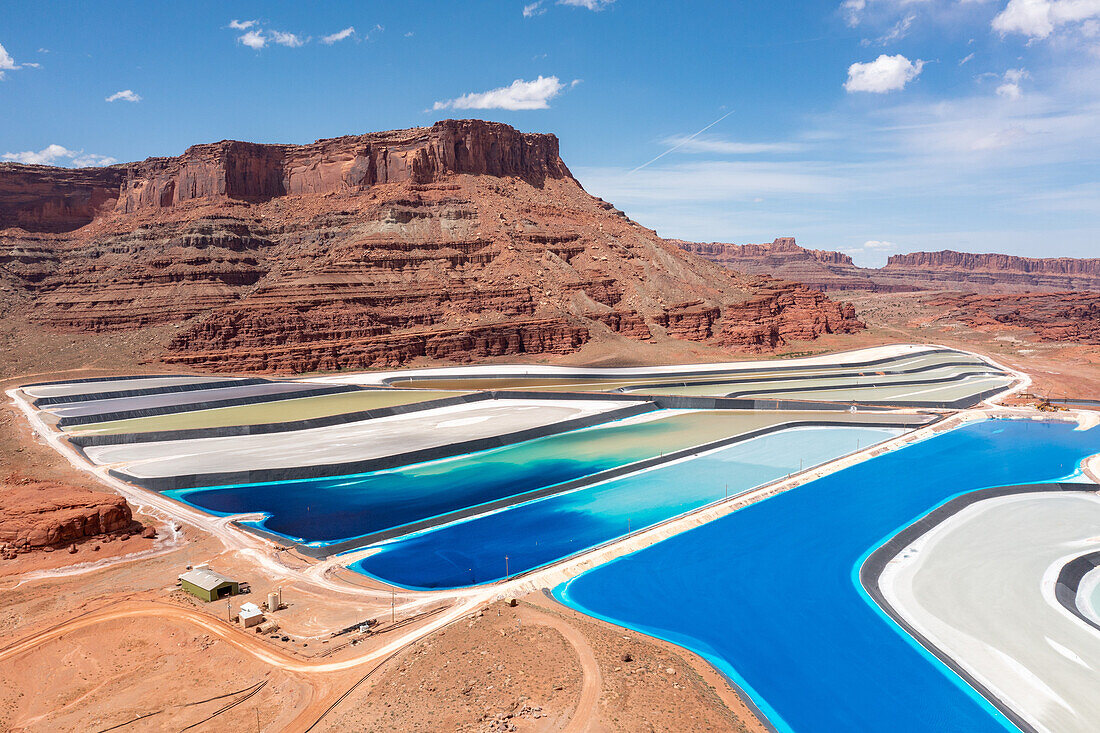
(208, 585)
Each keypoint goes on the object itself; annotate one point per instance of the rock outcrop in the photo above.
(815, 268)
(991, 272)
(1066, 317)
(946, 270)
(460, 241)
(39, 198)
(43, 514)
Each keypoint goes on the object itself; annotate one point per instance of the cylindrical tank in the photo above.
(273, 601)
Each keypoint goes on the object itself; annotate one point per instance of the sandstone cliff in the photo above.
(41, 514)
(464, 240)
(944, 270)
(966, 271)
(1065, 317)
(816, 268)
(39, 198)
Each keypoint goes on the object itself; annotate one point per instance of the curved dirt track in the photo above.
(250, 644)
(324, 690)
(585, 716)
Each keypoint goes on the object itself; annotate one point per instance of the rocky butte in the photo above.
(462, 240)
(946, 270)
(784, 258)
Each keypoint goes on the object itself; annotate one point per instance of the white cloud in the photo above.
(1040, 18)
(884, 74)
(290, 40)
(126, 95)
(589, 4)
(91, 160)
(47, 156)
(58, 155)
(899, 31)
(853, 10)
(32, 65)
(871, 253)
(253, 39)
(1010, 88)
(533, 9)
(338, 36)
(966, 59)
(7, 63)
(258, 37)
(727, 147)
(518, 95)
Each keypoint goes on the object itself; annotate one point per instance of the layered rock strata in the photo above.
(946, 270)
(43, 514)
(985, 272)
(816, 268)
(464, 240)
(1065, 317)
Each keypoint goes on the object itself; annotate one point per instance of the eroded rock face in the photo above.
(255, 172)
(827, 270)
(42, 514)
(39, 198)
(783, 258)
(991, 272)
(1065, 317)
(460, 241)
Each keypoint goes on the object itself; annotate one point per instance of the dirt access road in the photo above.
(581, 719)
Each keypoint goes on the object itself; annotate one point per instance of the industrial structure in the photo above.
(208, 585)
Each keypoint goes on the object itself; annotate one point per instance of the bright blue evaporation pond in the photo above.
(545, 530)
(328, 510)
(769, 594)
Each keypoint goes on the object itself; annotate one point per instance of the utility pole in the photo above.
(506, 571)
(393, 605)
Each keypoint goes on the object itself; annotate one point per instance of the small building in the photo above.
(208, 585)
(268, 627)
(251, 615)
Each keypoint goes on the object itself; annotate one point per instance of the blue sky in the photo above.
(870, 126)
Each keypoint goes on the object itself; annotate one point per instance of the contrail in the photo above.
(682, 142)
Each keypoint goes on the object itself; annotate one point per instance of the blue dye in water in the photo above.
(529, 535)
(336, 508)
(770, 593)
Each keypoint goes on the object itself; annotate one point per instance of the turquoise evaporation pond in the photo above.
(544, 530)
(335, 508)
(770, 593)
